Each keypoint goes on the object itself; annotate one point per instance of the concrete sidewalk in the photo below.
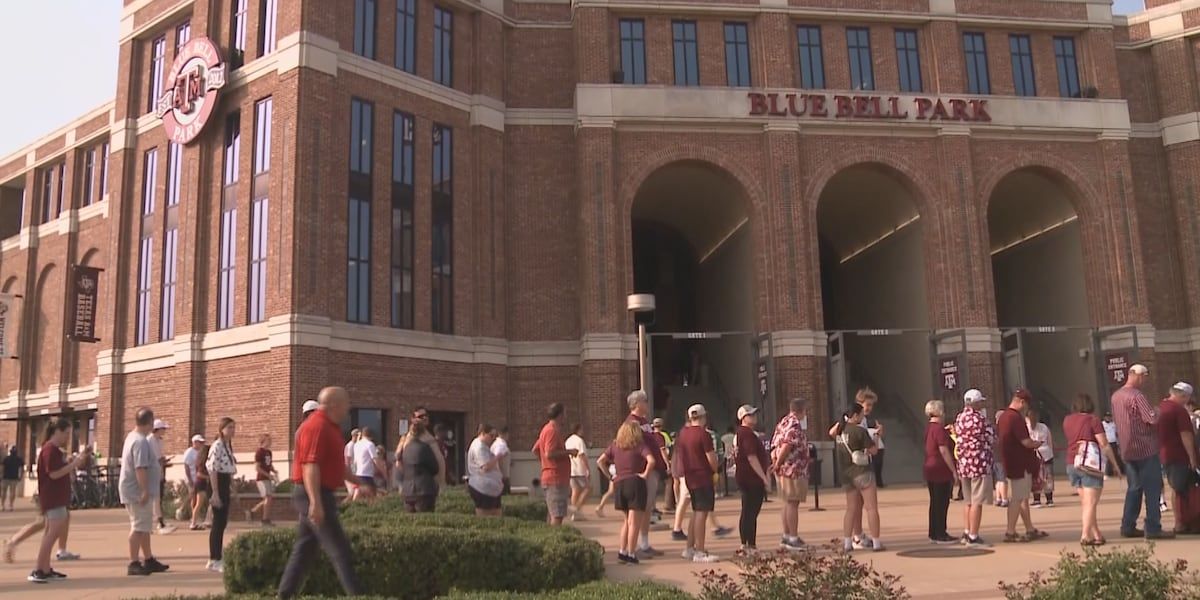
(100, 537)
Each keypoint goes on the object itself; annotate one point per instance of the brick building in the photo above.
(447, 202)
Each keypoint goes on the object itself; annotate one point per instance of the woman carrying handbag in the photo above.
(1088, 453)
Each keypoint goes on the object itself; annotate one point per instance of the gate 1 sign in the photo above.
(1117, 366)
(949, 372)
(86, 288)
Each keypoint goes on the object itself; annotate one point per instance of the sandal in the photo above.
(1099, 541)
(1086, 542)
(1013, 538)
(1036, 534)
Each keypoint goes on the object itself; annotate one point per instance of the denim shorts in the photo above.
(1080, 479)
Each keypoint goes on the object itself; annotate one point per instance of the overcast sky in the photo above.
(63, 63)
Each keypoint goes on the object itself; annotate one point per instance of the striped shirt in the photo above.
(1136, 424)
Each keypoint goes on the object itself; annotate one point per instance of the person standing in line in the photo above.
(1137, 428)
(348, 457)
(11, 478)
(320, 470)
(368, 465)
(630, 461)
(698, 462)
(201, 516)
(728, 441)
(1110, 432)
(555, 459)
(164, 461)
(751, 464)
(309, 407)
(999, 477)
(855, 448)
(868, 399)
(222, 466)
(953, 435)
(581, 468)
(420, 467)
(639, 412)
(265, 478)
(1021, 462)
(190, 459)
(1177, 447)
(1083, 428)
(54, 493)
(790, 465)
(501, 451)
(138, 487)
(1040, 433)
(659, 427)
(939, 471)
(485, 482)
(976, 439)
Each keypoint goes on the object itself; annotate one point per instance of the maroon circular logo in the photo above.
(195, 78)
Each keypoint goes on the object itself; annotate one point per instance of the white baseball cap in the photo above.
(309, 406)
(1183, 387)
(746, 409)
(973, 396)
(696, 410)
(1140, 369)
(160, 424)
(198, 438)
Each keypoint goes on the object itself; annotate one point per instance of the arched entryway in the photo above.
(692, 249)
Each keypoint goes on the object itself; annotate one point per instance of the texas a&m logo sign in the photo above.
(195, 78)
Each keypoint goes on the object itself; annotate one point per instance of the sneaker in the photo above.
(36, 576)
(1161, 535)
(964, 539)
(627, 558)
(154, 566)
(976, 542)
(722, 531)
(644, 554)
(652, 551)
(747, 551)
(792, 544)
(1133, 533)
(195, 527)
(55, 575)
(215, 566)
(137, 568)
(1037, 503)
(688, 553)
(877, 546)
(166, 530)
(942, 540)
(1049, 504)
(847, 545)
(678, 536)
(704, 557)
(861, 543)
(66, 555)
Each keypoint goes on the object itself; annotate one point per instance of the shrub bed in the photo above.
(455, 500)
(597, 590)
(1127, 574)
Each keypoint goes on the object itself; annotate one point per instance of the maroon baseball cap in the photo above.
(1023, 394)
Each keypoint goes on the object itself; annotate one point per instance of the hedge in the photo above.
(454, 500)
(597, 590)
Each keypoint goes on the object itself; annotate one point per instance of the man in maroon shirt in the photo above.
(319, 470)
(1020, 463)
(698, 461)
(639, 413)
(54, 493)
(1177, 445)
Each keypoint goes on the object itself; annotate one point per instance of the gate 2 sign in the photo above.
(1117, 366)
(195, 78)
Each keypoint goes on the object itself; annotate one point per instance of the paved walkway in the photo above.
(99, 535)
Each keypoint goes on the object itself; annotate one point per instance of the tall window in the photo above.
(908, 59)
(267, 13)
(364, 28)
(443, 230)
(858, 44)
(227, 267)
(158, 53)
(406, 35)
(258, 210)
(183, 33)
(358, 251)
(633, 50)
(402, 220)
(737, 54)
(174, 172)
(142, 322)
(1068, 68)
(975, 53)
(47, 194)
(149, 181)
(238, 41)
(169, 277)
(687, 70)
(443, 46)
(812, 59)
(61, 179)
(88, 180)
(1022, 65)
(103, 170)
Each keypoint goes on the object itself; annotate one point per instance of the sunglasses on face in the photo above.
(421, 416)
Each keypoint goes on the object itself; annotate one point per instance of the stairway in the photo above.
(719, 415)
(904, 442)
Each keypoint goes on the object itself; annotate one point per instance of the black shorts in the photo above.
(482, 500)
(367, 482)
(630, 494)
(1179, 476)
(703, 499)
(202, 485)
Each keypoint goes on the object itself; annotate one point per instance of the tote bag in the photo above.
(1088, 459)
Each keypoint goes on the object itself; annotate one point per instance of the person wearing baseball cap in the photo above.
(156, 442)
(1020, 464)
(1137, 428)
(190, 458)
(975, 440)
(307, 408)
(1177, 447)
(751, 463)
(698, 461)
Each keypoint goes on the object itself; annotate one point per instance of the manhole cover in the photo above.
(944, 552)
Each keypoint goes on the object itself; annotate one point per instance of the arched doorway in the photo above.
(1041, 298)
(692, 249)
(874, 302)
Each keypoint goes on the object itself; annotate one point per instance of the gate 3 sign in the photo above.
(867, 107)
(195, 77)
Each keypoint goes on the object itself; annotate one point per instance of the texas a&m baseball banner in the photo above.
(84, 291)
(8, 314)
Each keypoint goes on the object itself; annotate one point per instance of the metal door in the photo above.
(839, 393)
(1014, 360)
(763, 394)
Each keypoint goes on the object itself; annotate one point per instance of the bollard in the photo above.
(814, 477)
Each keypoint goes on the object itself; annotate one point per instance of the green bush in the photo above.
(829, 575)
(455, 500)
(597, 590)
(1127, 574)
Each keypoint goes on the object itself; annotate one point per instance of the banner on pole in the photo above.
(85, 289)
(8, 315)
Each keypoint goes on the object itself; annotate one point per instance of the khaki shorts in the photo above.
(793, 489)
(978, 490)
(56, 514)
(266, 488)
(1019, 489)
(860, 482)
(557, 498)
(141, 516)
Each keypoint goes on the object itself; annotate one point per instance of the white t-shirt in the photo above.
(500, 448)
(189, 462)
(579, 463)
(1110, 431)
(365, 452)
(490, 482)
(1040, 433)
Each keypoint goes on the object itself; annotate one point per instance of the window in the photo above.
(103, 170)
(60, 179)
(1022, 65)
(908, 60)
(443, 46)
(358, 251)
(737, 54)
(633, 51)
(142, 323)
(1068, 69)
(259, 193)
(975, 52)
(406, 35)
(183, 33)
(858, 44)
(443, 230)
(374, 419)
(227, 269)
(169, 278)
(48, 201)
(364, 28)
(687, 71)
(238, 41)
(402, 220)
(87, 182)
(149, 181)
(812, 60)
(267, 12)
(158, 52)
(174, 172)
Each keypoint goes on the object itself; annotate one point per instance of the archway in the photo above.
(874, 302)
(692, 249)
(1041, 297)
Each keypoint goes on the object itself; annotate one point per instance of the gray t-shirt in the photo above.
(137, 453)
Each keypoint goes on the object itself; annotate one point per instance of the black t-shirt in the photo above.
(12, 467)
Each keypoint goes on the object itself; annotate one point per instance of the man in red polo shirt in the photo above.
(1177, 446)
(556, 464)
(1020, 463)
(319, 470)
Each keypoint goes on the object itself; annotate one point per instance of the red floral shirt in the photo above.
(789, 431)
(976, 437)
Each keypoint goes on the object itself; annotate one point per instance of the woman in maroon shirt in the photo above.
(939, 471)
(1080, 427)
(634, 462)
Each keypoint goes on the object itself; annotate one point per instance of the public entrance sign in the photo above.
(1117, 366)
(948, 369)
(764, 386)
(192, 90)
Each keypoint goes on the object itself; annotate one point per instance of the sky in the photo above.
(72, 68)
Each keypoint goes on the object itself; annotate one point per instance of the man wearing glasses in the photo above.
(421, 414)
